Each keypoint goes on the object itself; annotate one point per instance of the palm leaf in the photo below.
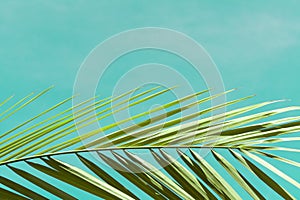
(246, 140)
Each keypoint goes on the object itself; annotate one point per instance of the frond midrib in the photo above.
(112, 149)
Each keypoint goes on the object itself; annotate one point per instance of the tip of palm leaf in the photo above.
(278, 100)
(74, 95)
(102, 156)
(180, 153)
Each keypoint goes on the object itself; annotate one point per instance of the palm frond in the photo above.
(190, 177)
(238, 142)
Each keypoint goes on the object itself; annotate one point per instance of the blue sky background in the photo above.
(255, 44)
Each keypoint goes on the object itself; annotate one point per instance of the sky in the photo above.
(255, 45)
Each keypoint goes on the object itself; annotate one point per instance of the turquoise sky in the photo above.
(256, 45)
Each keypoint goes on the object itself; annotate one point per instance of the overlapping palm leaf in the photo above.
(240, 144)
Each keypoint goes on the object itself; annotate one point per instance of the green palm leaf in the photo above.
(176, 170)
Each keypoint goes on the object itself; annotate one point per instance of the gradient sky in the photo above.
(255, 45)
